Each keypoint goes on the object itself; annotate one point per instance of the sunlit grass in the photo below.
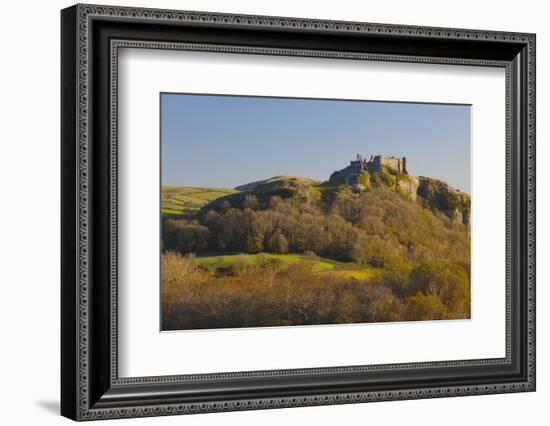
(312, 264)
(180, 200)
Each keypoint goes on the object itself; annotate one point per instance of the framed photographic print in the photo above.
(263, 212)
(366, 243)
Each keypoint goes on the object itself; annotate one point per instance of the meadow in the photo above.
(187, 201)
(219, 264)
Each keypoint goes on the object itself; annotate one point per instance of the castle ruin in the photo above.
(375, 163)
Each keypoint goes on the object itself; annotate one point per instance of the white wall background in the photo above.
(29, 212)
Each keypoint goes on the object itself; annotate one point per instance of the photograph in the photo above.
(282, 211)
(265, 209)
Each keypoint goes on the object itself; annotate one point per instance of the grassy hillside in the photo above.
(186, 201)
(262, 191)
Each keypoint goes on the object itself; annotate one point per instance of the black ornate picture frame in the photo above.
(91, 387)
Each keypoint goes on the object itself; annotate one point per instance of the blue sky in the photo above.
(225, 141)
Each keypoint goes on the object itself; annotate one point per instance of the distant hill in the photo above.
(253, 185)
(281, 186)
(186, 201)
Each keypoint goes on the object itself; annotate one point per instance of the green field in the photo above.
(185, 201)
(316, 265)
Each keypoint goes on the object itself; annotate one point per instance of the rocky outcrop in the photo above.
(408, 187)
(439, 195)
(262, 191)
(347, 173)
(362, 175)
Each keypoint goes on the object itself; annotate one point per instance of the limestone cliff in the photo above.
(362, 175)
(439, 195)
(358, 177)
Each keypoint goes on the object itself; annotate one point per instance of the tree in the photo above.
(185, 237)
(278, 243)
(447, 281)
(251, 202)
(360, 251)
(253, 243)
(422, 308)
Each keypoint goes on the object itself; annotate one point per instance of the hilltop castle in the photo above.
(361, 172)
(375, 163)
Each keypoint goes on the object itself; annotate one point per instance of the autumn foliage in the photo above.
(422, 256)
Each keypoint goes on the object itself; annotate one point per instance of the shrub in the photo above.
(267, 295)
(278, 243)
(310, 254)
